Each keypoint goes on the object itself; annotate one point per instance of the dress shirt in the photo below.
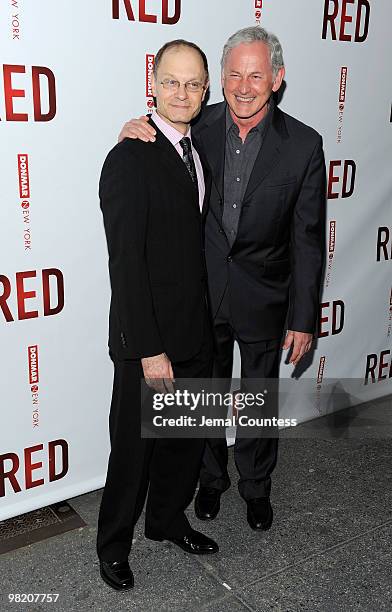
(240, 158)
(174, 136)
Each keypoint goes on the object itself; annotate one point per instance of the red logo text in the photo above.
(52, 282)
(12, 91)
(339, 18)
(167, 17)
(25, 471)
(348, 178)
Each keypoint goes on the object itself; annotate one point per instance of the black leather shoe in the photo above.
(196, 543)
(117, 575)
(207, 503)
(259, 513)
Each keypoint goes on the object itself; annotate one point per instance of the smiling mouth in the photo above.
(244, 100)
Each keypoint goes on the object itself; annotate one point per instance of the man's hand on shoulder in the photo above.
(301, 343)
(158, 373)
(138, 129)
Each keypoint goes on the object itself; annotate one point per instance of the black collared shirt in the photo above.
(240, 158)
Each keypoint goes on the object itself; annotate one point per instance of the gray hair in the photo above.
(256, 34)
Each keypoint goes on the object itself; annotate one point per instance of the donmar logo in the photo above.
(52, 280)
(342, 99)
(331, 250)
(320, 376)
(339, 18)
(343, 79)
(320, 373)
(33, 364)
(389, 330)
(169, 14)
(258, 7)
(23, 170)
(11, 92)
(25, 471)
(332, 237)
(24, 192)
(32, 352)
(149, 70)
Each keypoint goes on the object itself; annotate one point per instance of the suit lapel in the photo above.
(269, 153)
(212, 138)
(175, 166)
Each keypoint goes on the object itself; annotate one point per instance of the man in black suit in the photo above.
(264, 246)
(152, 199)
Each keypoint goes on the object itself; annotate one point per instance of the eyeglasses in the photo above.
(190, 86)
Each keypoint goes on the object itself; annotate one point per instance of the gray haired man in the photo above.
(264, 241)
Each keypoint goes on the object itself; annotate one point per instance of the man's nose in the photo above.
(243, 85)
(181, 92)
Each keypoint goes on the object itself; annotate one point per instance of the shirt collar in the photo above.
(168, 130)
(260, 127)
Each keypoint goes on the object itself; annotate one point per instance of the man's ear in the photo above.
(205, 91)
(278, 79)
(153, 85)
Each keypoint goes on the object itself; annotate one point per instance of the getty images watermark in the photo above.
(205, 408)
(270, 408)
(231, 403)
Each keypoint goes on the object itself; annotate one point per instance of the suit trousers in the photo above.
(255, 458)
(167, 468)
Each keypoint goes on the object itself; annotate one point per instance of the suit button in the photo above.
(229, 259)
(220, 231)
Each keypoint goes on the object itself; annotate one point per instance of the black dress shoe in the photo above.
(259, 513)
(196, 543)
(207, 503)
(117, 575)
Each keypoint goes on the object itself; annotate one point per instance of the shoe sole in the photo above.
(191, 552)
(204, 552)
(205, 518)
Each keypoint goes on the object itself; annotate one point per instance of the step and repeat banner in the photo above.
(72, 74)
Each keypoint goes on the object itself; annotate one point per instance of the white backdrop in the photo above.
(54, 439)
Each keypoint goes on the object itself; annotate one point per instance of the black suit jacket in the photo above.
(275, 264)
(154, 235)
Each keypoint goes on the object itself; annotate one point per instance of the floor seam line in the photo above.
(210, 570)
(314, 555)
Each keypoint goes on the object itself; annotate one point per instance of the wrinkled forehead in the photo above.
(255, 53)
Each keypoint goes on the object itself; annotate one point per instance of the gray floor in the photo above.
(328, 549)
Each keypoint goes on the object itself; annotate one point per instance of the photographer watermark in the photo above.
(207, 408)
(233, 403)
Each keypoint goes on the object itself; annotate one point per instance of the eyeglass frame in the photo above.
(165, 82)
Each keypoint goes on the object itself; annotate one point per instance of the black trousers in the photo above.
(167, 468)
(255, 458)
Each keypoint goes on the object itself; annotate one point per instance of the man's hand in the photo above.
(301, 342)
(138, 129)
(158, 373)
